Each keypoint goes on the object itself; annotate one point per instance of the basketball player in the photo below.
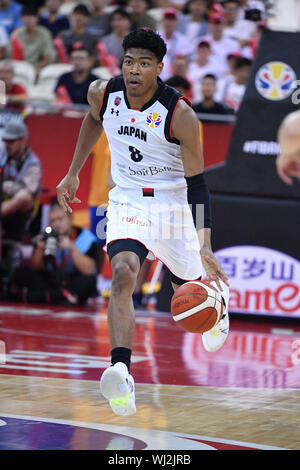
(156, 164)
(288, 161)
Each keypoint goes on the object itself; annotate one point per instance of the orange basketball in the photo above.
(197, 306)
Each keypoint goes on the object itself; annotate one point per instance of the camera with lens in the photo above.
(50, 237)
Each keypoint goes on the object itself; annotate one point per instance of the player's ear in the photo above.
(160, 67)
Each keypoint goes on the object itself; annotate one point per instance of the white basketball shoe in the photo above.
(214, 338)
(117, 386)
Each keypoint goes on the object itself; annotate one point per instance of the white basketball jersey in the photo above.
(143, 152)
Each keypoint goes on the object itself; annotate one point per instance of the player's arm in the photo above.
(90, 131)
(185, 128)
(288, 161)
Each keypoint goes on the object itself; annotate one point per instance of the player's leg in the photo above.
(116, 384)
(121, 319)
(138, 291)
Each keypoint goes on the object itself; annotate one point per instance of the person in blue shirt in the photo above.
(10, 15)
(52, 19)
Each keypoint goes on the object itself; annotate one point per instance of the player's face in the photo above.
(140, 71)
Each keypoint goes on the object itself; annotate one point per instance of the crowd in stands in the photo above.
(70, 43)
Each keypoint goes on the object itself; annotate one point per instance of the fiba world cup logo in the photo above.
(274, 81)
(153, 120)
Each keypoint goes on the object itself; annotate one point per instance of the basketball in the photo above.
(197, 306)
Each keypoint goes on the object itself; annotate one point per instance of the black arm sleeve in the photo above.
(199, 200)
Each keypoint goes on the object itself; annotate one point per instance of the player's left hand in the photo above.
(213, 270)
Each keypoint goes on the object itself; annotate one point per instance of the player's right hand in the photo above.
(66, 191)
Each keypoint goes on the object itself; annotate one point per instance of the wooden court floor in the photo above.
(245, 396)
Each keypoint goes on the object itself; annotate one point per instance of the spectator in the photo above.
(120, 22)
(21, 176)
(52, 19)
(64, 270)
(239, 29)
(180, 67)
(98, 24)
(10, 15)
(15, 94)
(177, 4)
(72, 87)
(232, 61)
(221, 46)
(3, 42)
(232, 93)
(139, 16)
(205, 63)
(208, 103)
(176, 42)
(68, 6)
(31, 42)
(194, 24)
(77, 36)
(180, 84)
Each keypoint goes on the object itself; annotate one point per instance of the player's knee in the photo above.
(124, 276)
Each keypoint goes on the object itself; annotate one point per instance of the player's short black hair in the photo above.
(146, 38)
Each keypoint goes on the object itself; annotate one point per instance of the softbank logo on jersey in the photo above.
(153, 120)
(150, 171)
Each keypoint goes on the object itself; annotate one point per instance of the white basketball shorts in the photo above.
(163, 223)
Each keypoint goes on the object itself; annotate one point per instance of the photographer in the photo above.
(62, 268)
(21, 174)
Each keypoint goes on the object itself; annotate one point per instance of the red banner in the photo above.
(54, 137)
